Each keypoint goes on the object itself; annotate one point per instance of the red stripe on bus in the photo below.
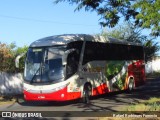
(61, 95)
(102, 89)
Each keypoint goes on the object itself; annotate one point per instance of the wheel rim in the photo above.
(131, 84)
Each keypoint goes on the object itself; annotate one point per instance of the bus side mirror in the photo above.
(17, 59)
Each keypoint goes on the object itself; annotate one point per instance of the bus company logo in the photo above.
(21, 114)
(6, 114)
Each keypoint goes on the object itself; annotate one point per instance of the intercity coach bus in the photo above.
(73, 66)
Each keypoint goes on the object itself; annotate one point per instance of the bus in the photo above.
(78, 66)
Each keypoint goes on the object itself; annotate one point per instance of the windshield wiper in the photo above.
(35, 74)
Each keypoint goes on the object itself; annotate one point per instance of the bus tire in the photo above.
(21, 101)
(131, 85)
(86, 94)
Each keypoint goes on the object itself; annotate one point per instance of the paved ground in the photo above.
(108, 102)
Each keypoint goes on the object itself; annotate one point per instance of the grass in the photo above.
(153, 104)
(154, 74)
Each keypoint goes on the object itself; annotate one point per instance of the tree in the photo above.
(149, 15)
(131, 34)
(5, 57)
(8, 54)
(144, 13)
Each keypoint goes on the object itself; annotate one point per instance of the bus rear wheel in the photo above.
(86, 94)
(131, 85)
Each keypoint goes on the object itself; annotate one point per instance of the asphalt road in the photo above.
(108, 102)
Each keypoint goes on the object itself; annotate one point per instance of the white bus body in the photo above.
(72, 66)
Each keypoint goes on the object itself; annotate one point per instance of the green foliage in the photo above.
(5, 57)
(149, 15)
(120, 32)
(8, 55)
(143, 13)
(113, 68)
(150, 49)
(120, 82)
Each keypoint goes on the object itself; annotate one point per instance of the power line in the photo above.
(43, 21)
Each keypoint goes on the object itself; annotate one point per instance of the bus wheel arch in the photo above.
(87, 92)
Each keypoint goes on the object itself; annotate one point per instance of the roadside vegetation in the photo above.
(153, 75)
(141, 13)
(8, 54)
(153, 104)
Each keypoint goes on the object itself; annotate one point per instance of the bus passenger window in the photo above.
(72, 64)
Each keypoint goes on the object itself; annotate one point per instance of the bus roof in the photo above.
(67, 38)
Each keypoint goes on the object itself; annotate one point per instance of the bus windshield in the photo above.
(44, 65)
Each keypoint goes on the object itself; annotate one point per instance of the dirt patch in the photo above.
(6, 100)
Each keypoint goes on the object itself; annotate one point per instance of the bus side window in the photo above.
(72, 64)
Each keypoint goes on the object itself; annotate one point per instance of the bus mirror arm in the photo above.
(17, 59)
(64, 58)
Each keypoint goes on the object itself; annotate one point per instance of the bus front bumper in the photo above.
(61, 95)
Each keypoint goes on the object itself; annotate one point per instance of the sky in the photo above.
(24, 21)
